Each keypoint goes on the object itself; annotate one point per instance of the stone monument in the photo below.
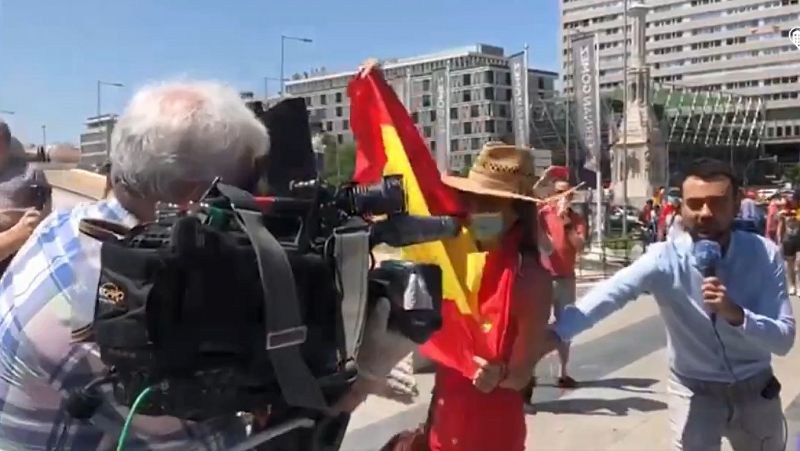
(646, 148)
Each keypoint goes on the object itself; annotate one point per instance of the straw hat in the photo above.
(501, 170)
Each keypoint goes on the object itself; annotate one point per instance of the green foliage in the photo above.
(340, 161)
(792, 174)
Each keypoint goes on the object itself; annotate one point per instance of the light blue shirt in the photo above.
(751, 270)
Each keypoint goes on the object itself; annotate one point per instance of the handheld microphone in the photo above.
(707, 254)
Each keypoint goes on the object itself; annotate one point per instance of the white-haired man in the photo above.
(170, 143)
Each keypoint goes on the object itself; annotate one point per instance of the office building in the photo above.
(480, 93)
(737, 46)
(96, 140)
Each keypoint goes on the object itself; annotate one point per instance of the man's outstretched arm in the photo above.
(606, 298)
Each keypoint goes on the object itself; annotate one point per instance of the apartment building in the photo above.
(96, 140)
(738, 46)
(479, 92)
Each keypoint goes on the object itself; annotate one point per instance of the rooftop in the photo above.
(392, 63)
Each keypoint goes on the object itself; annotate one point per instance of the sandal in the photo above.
(567, 382)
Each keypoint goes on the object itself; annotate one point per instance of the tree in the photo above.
(340, 161)
(792, 174)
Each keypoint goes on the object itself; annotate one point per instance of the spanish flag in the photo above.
(388, 143)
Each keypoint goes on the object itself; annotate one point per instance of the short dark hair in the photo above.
(708, 168)
(5, 133)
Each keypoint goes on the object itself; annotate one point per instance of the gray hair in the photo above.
(179, 132)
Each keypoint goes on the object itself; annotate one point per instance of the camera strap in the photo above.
(285, 329)
(351, 250)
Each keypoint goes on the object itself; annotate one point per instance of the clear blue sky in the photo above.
(53, 51)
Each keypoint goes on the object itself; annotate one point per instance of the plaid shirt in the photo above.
(47, 293)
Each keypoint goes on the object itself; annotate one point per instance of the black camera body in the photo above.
(194, 305)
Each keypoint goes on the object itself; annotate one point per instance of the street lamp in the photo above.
(266, 84)
(101, 83)
(283, 42)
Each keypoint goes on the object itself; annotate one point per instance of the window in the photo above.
(433, 115)
(433, 146)
(501, 111)
(467, 128)
(340, 138)
(426, 85)
(509, 94)
(488, 93)
(467, 96)
(468, 160)
(466, 79)
(541, 83)
(475, 144)
(778, 131)
(426, 131)
(323, 100)
(426, 100)
(453, 144)
(338, 111)
(797, 130)
(474, 111)
(787, 130)
(770, 132)
(308, 101)
(329, 126)
(489, 126)
(453, 113)
(508, 78)
(415, 117)
(346, 124)
(488, 76)
(338, 97)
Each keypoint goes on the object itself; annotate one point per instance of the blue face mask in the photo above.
(486, 226)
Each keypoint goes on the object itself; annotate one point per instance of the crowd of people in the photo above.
(174, 138)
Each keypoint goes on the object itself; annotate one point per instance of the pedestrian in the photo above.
(24, 196)
(723, 325)
(788, 235)
(567, 231)
(674, 220)
(772, 217)
(747, 208)
(646, 218)
(483, 410)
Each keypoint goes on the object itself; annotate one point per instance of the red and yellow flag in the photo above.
(388, 143)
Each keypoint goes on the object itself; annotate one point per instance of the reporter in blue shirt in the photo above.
(721, 381)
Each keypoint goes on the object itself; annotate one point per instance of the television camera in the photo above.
(242, 303)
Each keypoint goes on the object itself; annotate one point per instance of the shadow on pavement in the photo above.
(630, 384)
(593, 406)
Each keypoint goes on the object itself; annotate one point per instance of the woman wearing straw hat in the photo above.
(485, 412)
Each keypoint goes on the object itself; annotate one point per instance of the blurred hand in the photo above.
(488, 376)
(381, 349)
(368, 66)
(28, 222)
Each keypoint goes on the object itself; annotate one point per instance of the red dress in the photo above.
(461, 417)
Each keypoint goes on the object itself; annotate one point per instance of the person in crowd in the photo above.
(503, 220)
(24, 196)
(567, 231)
(747, 208)
(788, 235)
(171, 142)
(674, 220)
(722, 327)
(646, 218)
(773, 209)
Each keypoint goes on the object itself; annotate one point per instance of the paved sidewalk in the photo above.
(622, 365)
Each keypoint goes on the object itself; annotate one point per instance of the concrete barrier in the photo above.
(78, 182)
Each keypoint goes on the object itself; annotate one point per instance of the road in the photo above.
(622, 366)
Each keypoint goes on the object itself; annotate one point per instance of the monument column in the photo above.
(646, 152)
